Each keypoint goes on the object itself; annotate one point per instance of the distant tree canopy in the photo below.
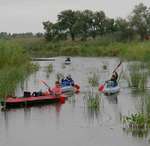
(88, 24)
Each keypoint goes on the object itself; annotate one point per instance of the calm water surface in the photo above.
(71, 124)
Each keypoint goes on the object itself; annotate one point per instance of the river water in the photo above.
(72, 123)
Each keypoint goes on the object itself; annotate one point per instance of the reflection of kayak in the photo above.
(14, 102)
(75, 89)
(110, 90)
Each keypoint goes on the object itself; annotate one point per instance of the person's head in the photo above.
(69, 76)
(113, 76)
(57, 84)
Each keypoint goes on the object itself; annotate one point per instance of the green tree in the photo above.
(67, 20)
(83, 24)
(99, 22)
(140, 20)
(48, 26)
(123, 29)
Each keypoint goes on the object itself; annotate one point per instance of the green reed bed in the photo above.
(14, 66)
(138, 76)
(50, 68)
(94, 79)
(92, 100)
(137, 124)
(102, 46)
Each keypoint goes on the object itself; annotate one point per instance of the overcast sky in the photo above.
(28, 15)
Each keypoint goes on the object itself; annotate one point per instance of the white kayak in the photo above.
(67, 62)
(67, 89)
(74, 89)
(110, 90)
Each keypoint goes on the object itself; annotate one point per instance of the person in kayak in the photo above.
(68, 59)
(70, 81)
(57, 91)
(63, 82)
(113, 79)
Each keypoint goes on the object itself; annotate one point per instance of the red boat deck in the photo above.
(32, 98)
(13, 102)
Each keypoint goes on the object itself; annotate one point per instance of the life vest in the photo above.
(57, 90)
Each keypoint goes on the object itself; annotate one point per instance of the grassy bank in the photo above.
(14, 66)
(94, 48)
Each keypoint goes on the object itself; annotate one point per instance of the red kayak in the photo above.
(14, 102)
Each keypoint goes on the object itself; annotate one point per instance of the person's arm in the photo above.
(50, 90)
(116, 74)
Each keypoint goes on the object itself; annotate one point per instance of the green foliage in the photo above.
(140, 20)
(102, 46)
(138, 76)
(14, 67)
(89, 24)
(93, 100)
(138, 124)
(50, 68)
(94, 80)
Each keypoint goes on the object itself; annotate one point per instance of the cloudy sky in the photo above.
(28, 15)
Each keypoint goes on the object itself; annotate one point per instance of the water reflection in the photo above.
(112, 99)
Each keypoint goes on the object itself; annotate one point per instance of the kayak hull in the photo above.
(73, 89)
(16, 102)
(110, 90)
(67, 62)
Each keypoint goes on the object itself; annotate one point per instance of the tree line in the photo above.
(88, 24)
(5, 35)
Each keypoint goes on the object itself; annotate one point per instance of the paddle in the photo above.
(101, 87)
(44, 83)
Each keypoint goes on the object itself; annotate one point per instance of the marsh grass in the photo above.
(14, 67)
(50, 68)
(102, 46)
(138, 76)
(138, 124)
(104, 67)
(94, 79)
(59, 76)
(93, 100)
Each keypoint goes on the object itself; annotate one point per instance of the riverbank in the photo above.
(38, 47)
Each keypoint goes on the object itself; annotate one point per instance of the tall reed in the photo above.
(14, 66)
(94, 79)
(138, 76)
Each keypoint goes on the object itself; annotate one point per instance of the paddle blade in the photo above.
(77, 86)
(101, 88)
